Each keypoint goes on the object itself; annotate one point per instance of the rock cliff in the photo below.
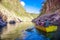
(14, 10)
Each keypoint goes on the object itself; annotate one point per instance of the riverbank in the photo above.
(16, 30)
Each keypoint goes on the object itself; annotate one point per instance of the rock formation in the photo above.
(3, 17)
(51, 6)
(3, 21)
(13, 9)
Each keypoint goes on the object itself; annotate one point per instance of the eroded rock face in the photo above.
(50, 11)
(3, 21)
(53, 19)
(50, 6)
(3, 17)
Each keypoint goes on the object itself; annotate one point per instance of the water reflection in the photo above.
(34, 35)
(27, 31)
(14, 31)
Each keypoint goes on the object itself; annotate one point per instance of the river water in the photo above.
(24, 31)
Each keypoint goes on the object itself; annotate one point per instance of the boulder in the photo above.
(2, 22)
(12, 22)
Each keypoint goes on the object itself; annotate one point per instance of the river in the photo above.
(24, 31)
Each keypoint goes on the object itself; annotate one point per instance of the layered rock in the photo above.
(3, 17)
(53, 19)
(51, 6)
(3, 20)
(14, 10)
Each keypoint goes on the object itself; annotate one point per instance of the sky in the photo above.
(32, 6)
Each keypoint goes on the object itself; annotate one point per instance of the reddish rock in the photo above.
(51, 6)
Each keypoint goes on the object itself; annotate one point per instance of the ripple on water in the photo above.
(33, 35)
(25, 31)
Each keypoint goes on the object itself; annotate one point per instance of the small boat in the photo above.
(51, 28)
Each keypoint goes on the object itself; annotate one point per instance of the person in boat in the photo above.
(47, 23)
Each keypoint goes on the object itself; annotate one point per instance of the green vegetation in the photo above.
(34, 15)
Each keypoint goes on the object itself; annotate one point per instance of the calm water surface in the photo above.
(24, 31)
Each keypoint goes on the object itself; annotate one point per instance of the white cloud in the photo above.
(22, 3)
(32, 9)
